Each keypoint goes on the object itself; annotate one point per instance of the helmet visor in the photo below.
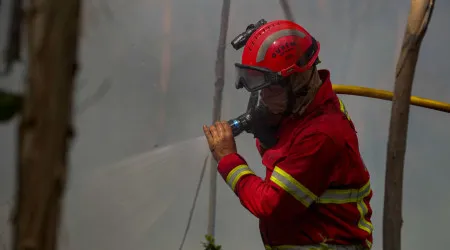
(254, 78)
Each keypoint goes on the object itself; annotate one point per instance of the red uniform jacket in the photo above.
(316, 189)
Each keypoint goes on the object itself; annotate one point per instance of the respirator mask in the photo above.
(255, 121)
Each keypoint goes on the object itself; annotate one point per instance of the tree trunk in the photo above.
(45, 127)
(418, 19)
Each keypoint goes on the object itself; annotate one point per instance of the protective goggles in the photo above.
(254, 78)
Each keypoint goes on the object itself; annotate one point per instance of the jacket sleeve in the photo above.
(296, 182)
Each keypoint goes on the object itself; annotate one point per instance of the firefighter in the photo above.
(316, 191)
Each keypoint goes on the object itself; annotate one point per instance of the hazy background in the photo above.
(143, 202)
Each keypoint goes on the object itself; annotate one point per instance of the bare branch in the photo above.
(217, 108)
(287, 10)
(418, 19)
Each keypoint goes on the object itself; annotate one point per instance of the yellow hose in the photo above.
(387, 95)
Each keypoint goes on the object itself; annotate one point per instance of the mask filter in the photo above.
(254, 121)
(242, 122)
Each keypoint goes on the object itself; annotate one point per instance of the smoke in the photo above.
(143, 203)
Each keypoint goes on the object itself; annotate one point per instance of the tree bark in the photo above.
(419, 16)
(45, 127)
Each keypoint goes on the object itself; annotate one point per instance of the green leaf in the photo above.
(210, 243)
(10, 105)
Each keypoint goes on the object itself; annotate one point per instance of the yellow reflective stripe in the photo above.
(351, 196)
(363, 224)
(331, 196)
(292, 187)
(236, 174)
(369, 244)
(343, 109)
(334, 196)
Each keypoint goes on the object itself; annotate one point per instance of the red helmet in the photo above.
(275, 50)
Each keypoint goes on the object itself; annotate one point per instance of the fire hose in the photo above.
(387, 95)
(243, 122)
